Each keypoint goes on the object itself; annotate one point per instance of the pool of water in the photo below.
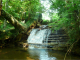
(33, 54)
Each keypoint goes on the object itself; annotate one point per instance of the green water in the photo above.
(34, 54)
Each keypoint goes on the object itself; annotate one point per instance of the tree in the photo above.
(0, 6)
(12, 14)
(69, 19)
(69, 15)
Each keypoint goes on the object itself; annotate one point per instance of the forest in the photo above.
(19, 17)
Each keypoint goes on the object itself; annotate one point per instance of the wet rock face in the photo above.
(43, 26)
(57, 40)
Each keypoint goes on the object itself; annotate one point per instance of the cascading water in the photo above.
(37, 36)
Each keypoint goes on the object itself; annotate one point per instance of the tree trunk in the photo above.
(15, 22)
(0, 6)
(6, 8)
(5, 23)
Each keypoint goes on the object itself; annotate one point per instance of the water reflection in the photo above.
(44, 55)
(41, 53)
(33, 54)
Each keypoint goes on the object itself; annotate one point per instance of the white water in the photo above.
(37, 36)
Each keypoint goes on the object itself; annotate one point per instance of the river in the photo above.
(33, 54)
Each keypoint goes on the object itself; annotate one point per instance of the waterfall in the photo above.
(48, 33)
(37, 36)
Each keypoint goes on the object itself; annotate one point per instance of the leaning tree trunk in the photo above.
(15, 22)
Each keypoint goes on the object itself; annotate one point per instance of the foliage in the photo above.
(21, 9)
(68, 16)
(5, 32)
(45, 22)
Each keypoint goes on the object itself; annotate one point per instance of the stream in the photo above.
(33, 54)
